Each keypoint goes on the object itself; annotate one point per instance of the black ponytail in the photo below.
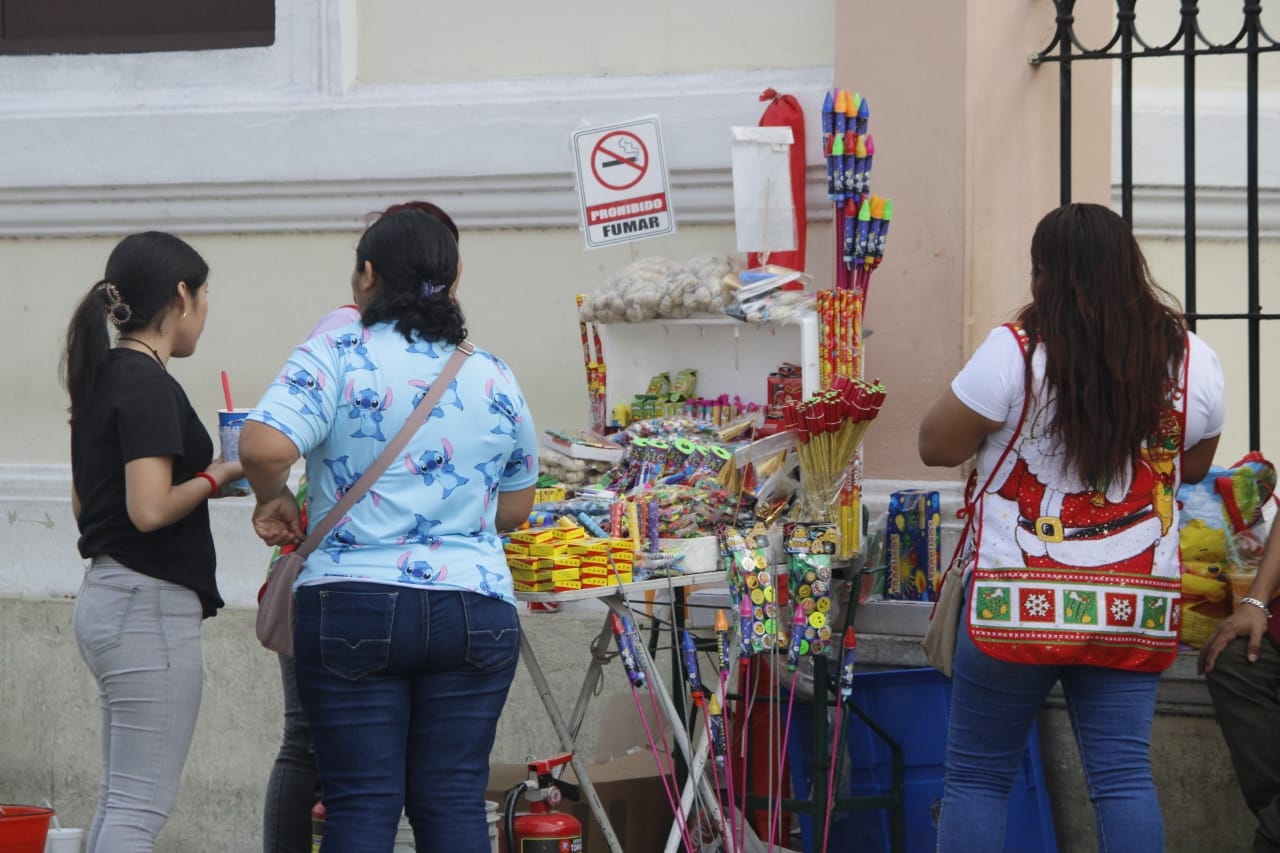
(141, 280)
(86, 349)
(415, 258)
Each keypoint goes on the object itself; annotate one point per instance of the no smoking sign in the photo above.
(622, 181)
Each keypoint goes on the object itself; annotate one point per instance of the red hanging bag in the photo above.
(785, 111)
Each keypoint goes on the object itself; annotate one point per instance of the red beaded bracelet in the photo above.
(213, 484)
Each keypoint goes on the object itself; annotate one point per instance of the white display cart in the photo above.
(731, 357)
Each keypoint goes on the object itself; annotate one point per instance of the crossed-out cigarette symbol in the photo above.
(619, 148)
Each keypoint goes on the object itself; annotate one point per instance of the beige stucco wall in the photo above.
(970, 174)
(481, 41)
(267, 291)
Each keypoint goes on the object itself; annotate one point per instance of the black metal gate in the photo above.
(1189, 42)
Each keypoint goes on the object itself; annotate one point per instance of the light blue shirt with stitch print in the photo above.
(429, 519)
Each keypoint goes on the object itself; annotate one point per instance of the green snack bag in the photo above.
(660, 384)
(686, 382)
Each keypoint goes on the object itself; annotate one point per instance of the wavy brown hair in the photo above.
(1113, 338)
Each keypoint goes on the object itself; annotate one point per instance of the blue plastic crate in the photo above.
(913, 707)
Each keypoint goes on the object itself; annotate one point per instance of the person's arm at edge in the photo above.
(951, 432)
(1247, 620)
(514, 508)
(153, 501)
(268, 455)
(1197, 459)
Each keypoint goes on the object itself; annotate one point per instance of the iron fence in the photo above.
(1127, 44)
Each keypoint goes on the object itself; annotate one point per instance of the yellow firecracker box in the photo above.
(548, 549)
(568, 586)
(570, 534)
(595, 550)
(568, 562)
(516, 549)
(536, 536)
(548, 495)
(539, 586)
(559, 575)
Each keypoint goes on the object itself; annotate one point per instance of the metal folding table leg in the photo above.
(669, 710)
(567, 743)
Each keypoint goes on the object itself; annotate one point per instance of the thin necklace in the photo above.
(159, 361)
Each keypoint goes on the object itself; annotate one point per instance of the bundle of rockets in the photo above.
(861, 219)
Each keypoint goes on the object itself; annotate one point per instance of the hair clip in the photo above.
(429, 289)
(117, 310)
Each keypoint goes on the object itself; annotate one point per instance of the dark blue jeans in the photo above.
(993, 704)
(403, 689)
(292, 788)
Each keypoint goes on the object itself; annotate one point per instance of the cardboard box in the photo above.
(533, 537)
(630, 789)
(914, 544)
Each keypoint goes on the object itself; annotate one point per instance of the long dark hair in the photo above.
(416, 261)
(140, 280)
(1112, 338)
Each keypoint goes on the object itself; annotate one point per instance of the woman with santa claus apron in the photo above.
(1085, 415)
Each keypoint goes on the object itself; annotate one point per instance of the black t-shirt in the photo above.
(138, 410)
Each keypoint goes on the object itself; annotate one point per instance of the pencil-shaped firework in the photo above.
(595, 372)
(826, 336)
(831, 425)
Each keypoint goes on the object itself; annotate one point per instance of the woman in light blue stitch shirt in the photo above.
(406, 636)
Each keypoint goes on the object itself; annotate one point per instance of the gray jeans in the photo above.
(141, 639)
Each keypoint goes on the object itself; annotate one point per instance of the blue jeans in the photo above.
(403, 689)
(141, 640)
(993, 705)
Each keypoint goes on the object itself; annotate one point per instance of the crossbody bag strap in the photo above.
(972, 499)
(971, 504)
(389, 453)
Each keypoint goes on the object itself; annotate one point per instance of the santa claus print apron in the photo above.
(1065, 575)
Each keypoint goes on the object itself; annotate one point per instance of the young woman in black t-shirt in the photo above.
(142, 472)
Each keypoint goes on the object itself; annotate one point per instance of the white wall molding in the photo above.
(1220, 163)
(1220, 212)
(498, 153)
(700, 196)
(285, 141)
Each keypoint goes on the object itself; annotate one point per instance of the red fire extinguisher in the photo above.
(541, 829)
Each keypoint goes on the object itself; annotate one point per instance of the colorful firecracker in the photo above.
(596, 376)
(831, 426)
(861, 222)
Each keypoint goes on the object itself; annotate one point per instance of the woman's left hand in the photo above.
(277, 520)
(1246, 621)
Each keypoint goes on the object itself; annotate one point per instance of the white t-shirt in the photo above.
(991, 384)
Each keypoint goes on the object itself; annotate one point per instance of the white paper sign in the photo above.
(763, 212)
(622, 182)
